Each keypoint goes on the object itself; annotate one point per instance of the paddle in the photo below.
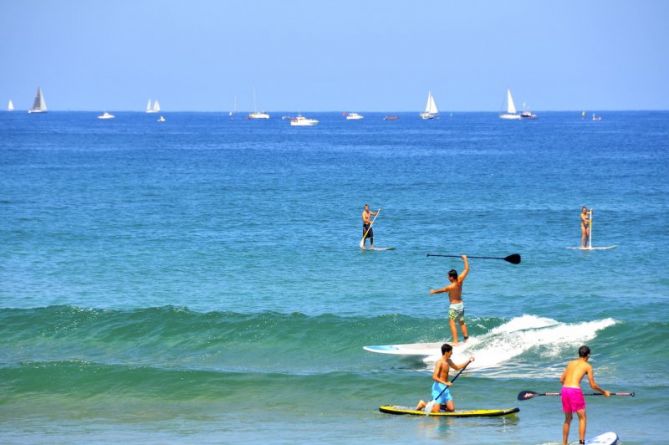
(362, 241)
(526, 395)
(430, 404)
(514, 258)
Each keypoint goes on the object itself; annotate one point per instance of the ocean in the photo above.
(200, 281)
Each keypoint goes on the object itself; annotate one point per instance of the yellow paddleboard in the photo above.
(395, 409)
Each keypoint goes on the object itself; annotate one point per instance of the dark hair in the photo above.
(453, 273)
(583, 351)
(446, 348)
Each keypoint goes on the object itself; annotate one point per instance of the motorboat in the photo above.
(301, 121)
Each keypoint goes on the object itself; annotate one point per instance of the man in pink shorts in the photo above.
(572, 395)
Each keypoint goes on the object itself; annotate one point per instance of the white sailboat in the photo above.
(39, 105)
(10, 105)
(431, 110)
(511, 112)
(257, 114)
(153, 108)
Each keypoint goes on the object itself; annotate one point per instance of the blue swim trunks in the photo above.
(445, 397)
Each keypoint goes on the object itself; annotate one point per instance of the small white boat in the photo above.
(301, 121)
(526, 113)
(10, 105)
(39, 105)
(354, 116)
(431, 110)
(153, 108)
(106, 115)
(161, 119)
(511, 113)
(258, 115)
(596, 118)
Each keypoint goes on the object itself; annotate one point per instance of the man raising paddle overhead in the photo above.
(456, 310)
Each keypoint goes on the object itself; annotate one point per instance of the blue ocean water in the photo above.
(200, 281)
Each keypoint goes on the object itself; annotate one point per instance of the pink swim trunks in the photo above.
(572, 399)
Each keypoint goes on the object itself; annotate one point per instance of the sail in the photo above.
(431, 105)
(156, 106)
(148, 106)
(39, 105)
(510, 106)
(10, 105)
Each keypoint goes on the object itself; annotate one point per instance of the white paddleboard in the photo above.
(378, 249)
(609, 438)
(411, 349)
(593, 248)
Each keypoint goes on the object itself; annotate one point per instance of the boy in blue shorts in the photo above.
(444, 400)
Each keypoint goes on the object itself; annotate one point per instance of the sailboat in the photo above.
(511, 113)
(431, 110)
(155, 108)
(39, 105)
(257, 114)
(234, 109)
(10, 105)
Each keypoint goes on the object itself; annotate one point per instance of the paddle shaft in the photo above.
(362, 241)
(477, 257)
(526, 395)
(513, 258)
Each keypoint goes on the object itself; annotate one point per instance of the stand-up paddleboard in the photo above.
(403, 410)
(378, 249)
(593, 248)
(609, 438)
(415, 349)
(590, 246)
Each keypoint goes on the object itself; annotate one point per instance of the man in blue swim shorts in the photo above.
(441, 393)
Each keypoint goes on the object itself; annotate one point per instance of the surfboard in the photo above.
(609, 438)
(379, 249)
(400, 410)
(594, 248)
(416, 349)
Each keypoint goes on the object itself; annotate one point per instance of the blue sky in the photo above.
(336, 55)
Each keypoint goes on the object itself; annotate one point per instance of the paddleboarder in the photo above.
(572, 395)
(367, 231)
(586, 216)
(456, 309)
(442, 400)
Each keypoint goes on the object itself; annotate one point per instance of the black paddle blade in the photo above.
(514, 258)
(525, 395)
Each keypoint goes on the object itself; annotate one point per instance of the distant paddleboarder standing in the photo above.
(572, 395)
(367, 231)
(456, 310)
(586, 218)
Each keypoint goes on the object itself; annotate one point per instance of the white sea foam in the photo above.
(498, 351)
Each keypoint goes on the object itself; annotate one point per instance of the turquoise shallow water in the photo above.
(199, 281)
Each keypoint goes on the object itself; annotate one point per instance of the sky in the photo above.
(345, 55)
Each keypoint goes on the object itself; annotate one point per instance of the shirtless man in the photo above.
(456, 310)
(367, 231)
(572, 395)
(440, 394)
(586, 215)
